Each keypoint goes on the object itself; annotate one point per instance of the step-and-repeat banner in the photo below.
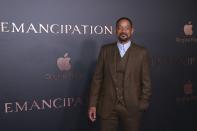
(48, 51)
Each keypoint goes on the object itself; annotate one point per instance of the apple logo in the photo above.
(63, 63)
(188, 29)
(188, 88)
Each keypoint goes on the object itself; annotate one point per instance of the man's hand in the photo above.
(92, 113)
(143, 105)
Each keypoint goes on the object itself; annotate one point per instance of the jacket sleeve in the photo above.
(97, 80)
(146, 82)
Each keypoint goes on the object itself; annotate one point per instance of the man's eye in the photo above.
(123, 28)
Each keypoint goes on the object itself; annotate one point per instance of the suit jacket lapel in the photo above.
(112, 63)
(130, 60)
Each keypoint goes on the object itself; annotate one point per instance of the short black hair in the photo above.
(124, 18)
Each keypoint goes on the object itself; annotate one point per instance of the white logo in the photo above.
(63, 63)
(188, 88)
(188, 29)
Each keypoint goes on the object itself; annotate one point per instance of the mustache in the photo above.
(123, 35)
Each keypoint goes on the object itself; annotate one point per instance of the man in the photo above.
(121, 85)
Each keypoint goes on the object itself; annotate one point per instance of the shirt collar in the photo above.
(125, 46)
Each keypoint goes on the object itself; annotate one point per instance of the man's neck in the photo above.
(121, 42)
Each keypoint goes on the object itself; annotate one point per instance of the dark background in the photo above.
(26, 58)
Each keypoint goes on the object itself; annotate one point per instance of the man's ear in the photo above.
(132, 30)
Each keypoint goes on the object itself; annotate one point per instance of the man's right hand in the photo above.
(92, 113)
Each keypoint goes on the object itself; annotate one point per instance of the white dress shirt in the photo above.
(123, 47)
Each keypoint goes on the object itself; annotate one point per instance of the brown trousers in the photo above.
(119, 118)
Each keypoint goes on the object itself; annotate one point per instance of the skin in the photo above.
(124, 32)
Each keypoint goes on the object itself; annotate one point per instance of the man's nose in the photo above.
(124, 30)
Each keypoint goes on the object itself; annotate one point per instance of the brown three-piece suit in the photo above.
(121, 80)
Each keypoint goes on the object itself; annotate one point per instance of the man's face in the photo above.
(124, 31)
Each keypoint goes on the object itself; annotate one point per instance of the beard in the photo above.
(123, 37)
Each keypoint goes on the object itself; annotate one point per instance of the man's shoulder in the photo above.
(140, 47)
(109, 45)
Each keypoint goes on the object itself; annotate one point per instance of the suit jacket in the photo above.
(137, 83)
